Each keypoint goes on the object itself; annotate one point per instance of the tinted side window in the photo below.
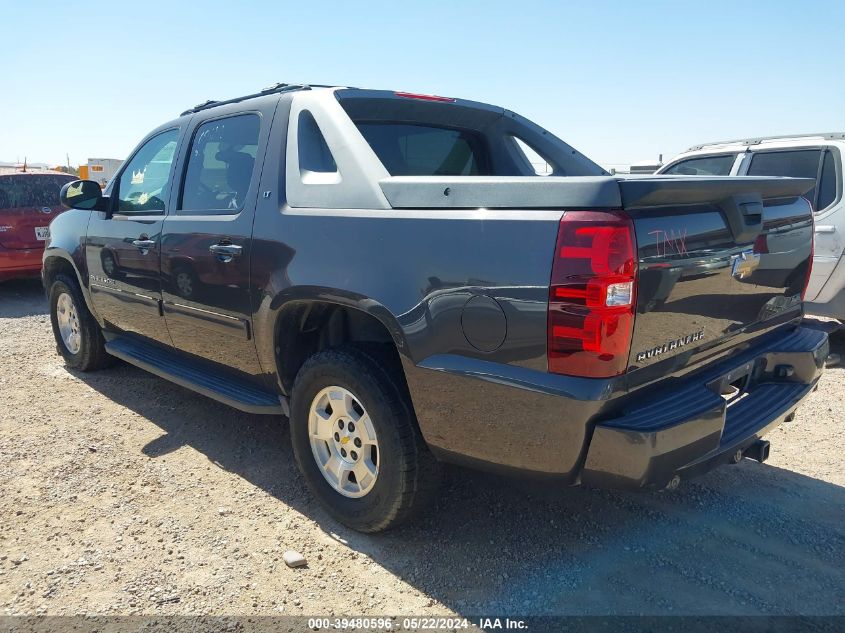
(145, 182)
(221, 163)
(827, 182)
(37, 190)
(705, 166)
(314, 153)
(421, 150)
(794, 164)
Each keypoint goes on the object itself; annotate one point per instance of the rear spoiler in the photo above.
(579, 192)
(665, 190)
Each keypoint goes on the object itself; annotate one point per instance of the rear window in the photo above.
(418, 135)
(35, 190)
(705, 166)
(422, 150)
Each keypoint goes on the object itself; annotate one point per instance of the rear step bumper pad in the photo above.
(690, 429)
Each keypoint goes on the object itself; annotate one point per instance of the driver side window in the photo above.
(145, 183)
(220, 165)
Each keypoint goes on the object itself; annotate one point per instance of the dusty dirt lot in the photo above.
(121, 493)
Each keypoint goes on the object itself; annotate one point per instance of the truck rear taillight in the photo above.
(592, 295)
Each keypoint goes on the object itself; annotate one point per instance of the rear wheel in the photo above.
(343, 441)
(356, 441)
(78, 336)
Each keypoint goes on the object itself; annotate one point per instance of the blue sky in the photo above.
(621, 81)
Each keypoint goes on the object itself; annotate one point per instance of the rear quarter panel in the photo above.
(421, 268)
(444, 283)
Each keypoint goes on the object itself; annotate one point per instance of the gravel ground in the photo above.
(123, 494)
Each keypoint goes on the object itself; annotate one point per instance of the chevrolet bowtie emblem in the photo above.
(745, 264)
(345, 440)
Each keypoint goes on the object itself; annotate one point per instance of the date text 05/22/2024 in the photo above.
(418, 623)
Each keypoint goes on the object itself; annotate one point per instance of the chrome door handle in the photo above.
(822, 228)
(226, 249)
(225, 252)
(144, 245)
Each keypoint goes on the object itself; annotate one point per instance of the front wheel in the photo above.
(78, 336)
(356, 441)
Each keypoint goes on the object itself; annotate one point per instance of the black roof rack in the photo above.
(275, 88)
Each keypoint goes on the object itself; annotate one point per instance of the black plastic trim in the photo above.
(228, 389)
(689, 429)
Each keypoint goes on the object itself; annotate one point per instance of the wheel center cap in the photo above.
(344, 440)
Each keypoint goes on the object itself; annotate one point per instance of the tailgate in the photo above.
(718, 258)
(25, 228)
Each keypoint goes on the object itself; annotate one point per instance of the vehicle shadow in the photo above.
(22, 298)
(746, 539)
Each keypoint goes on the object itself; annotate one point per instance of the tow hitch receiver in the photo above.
(758, 451)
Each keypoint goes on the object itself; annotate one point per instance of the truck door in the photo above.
(123, 246)
(206, 242)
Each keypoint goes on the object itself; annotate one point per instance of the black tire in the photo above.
(408, 474)
(92, 353)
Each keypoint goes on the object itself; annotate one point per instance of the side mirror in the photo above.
(83, 194)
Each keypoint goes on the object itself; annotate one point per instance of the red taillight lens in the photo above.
(592, 295)
(761, 245)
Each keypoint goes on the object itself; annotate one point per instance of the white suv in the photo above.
(817, 156)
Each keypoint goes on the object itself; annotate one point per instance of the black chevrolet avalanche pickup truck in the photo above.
(391, 272)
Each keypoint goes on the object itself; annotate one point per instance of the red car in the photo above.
(28, 203)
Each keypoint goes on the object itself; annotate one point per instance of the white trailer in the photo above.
(100, 170)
